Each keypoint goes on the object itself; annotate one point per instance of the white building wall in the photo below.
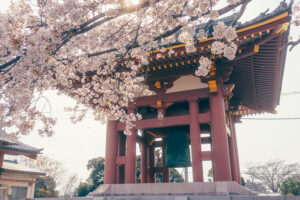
(185, 83)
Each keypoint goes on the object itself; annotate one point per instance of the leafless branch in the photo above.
(272, 173)
(293, 44)
(240, 13)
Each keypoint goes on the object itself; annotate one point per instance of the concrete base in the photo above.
(199, 197)
(171, 189)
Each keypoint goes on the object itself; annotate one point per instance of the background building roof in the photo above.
(14, 167)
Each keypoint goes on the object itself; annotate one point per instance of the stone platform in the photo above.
(199, 197)
(159, 190)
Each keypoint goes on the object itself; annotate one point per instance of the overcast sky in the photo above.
(258, 140)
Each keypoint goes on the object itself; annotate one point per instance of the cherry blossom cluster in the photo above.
(223, 44)
(94, 51)
(296, 14)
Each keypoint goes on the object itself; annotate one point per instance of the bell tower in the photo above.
(184, 114)
(192, 119)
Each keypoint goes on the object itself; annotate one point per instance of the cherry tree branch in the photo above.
(173, 31)
(93, 23)
(293, 44)
(240, 13)
(122, 11)
(16, 59)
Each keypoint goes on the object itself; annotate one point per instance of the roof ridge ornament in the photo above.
(283, 28)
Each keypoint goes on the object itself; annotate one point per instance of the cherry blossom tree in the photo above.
(93, 50)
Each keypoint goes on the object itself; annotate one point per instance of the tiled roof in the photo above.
(20, 147)
(16, 146)
(283, 6)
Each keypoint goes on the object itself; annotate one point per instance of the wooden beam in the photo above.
(17, 180)
(203, 118)
(206, 155)
(121, 160)
(155, 123)
(171, 97)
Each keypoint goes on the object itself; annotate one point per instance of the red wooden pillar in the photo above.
(1, 159)
(121, 174)
(122, 150)
(220, 148)
(111, 149)
(130, 164)
(150, 164)
(195, 140)
(166, 178)
(232, 156)
(144, 163)
(130, 175)
(236, 154)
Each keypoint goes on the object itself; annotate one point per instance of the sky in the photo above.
(258, 140)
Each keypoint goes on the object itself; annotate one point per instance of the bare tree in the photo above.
(255, 185)
(68, 188)
(46, 164)
(272, 173)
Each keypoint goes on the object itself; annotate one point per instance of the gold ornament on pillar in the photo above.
(212, 86)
